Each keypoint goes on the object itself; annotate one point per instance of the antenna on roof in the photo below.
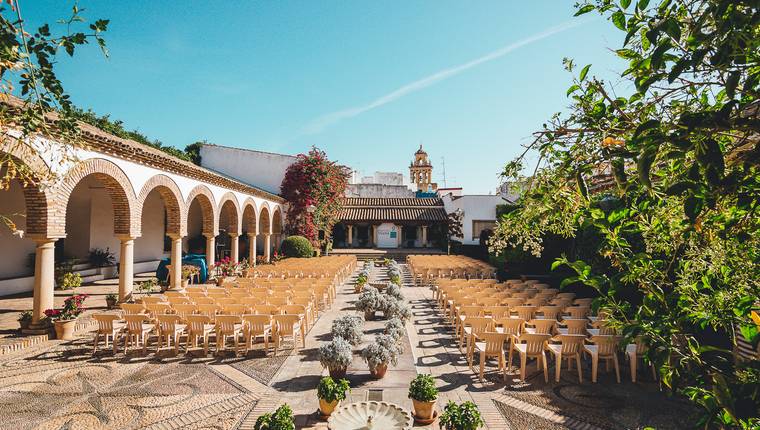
(443, 167)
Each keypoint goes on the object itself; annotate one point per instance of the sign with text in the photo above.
(387, 236)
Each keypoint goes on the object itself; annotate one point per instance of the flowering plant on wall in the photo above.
(72, 307)
(313, 186)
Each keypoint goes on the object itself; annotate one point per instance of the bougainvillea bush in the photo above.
(313, 180)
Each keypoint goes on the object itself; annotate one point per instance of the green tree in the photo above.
(28, 69)
(679, 231)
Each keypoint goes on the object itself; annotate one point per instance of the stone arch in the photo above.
(38, 200)
(265, 219)
(208, 208)
(277, 220)
(118, 186)
(250, 216)
(229, 205)
(176, 212)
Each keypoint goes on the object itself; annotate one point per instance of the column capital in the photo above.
(233, 235)
(40, 238)
(125, 237)
(252, 234)
(174, 236)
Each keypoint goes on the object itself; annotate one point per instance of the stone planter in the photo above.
(369, 315)
(220, 281)
(424, 412)
(379, 371)
(110, 303)
(326, 408)
(338, 373)
(64, 329)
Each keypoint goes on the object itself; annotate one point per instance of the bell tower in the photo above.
(421, 172)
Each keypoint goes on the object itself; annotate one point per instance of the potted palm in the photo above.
(65, 319)
(423, 393)
(330, 392)
(383, 351)
(24, 319)
(336, 356)
(348, 327)
(369, 302)
(111, 300)
(465, 416)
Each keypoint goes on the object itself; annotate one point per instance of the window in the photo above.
(479, 225)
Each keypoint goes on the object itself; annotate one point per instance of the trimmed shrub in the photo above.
(298, 247)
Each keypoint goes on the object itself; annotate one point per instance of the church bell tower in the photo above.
(421, 172)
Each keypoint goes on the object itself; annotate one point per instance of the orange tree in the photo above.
(675, 254)
(314, 187)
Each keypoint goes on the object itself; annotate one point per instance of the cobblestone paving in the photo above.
(60, 385)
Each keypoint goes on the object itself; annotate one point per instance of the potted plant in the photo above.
(395, 328)
(395, 308)
(102, 259)
(65, 318)
(70, 280)
(394, 291)
(24, 319)
(226, 270)
(369, 302)
(188, 271)
(348, 327)
(330, 392)
(281, 419)
(465, 416)
(423, 393)
(111, 300)
(361, 280)
(336, 356)
(383, 351)
(147, 286)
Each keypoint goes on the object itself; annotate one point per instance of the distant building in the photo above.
(381, 184)
(265, 169)
(479, 213)
(421, 172)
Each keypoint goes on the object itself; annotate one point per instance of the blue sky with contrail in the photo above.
(366, 81)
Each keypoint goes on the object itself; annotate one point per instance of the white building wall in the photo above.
(475, 207)
(14, 250)
(264, 170)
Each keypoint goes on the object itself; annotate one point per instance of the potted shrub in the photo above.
(336, 356)
(70, 280)
(361, 280)
(111, 300)
(465, 416)
(281, 419)
(383, 351)
(188, 271)
(330, 393)
(297, 247)
(395, 328)
(24, 319)
(102, 258)
(369, 302)
(65, 318)
(147, 286)
(394, 308)
(348, 327)
(423, 393)
(394, 291)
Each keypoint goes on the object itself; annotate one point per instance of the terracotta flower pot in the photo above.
(338, 373)
(326, 408)
(379, 371)
(64, 329)
(423, 410)
(369, 315)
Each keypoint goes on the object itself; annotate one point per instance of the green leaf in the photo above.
(692, 207)
(625, 3)
(618, 18)
(658, 54)
(676, 71)
(642, 4)
(644, 164)
(572, 89)
(585, 9)
(584, 72)
(673, 29)
(646, 125)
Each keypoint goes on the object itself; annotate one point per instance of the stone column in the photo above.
(424, 236)
(44, 280)
(234, 247)
(267, 247)
(252, 249)
(210, 251)
(176, 262)
(126, 267)
(350, 236)
(374, 235)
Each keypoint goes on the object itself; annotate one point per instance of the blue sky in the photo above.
(283, 76)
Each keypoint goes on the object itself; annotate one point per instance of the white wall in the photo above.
(150, 246)
(101, 222)
(475, 207)
(78, 225)
(14, 250)
(378, 190)
(264, 170)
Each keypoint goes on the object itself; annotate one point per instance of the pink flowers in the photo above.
(72, 308)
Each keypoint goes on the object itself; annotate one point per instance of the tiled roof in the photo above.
(393, 210)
